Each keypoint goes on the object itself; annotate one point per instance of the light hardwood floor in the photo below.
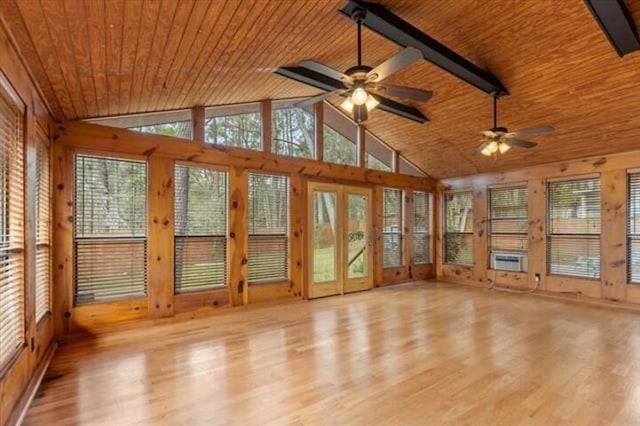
(412, 354)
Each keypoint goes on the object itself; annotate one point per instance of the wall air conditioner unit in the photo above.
(505, 261)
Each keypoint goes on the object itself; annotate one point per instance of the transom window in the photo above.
(239, 126)
(292, 130)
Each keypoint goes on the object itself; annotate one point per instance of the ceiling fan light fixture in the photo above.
(347, 105)
(490, 149)
(359, 96)
(371, 103)
(503, 147)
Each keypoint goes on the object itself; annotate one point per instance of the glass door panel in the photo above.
(357, 238)
(325, 238)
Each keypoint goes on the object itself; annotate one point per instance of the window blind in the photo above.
(200, 229)
(11, 228)
(110, 229)
(392, 228)
(458, 228)
(574, 228)
(634, 228)
(268, 227)
(43, 231)
(509, 220)
(421, 227)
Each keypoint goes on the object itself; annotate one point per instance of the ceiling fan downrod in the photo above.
(358, 16)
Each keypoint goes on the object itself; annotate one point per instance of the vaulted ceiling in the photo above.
(108, 57)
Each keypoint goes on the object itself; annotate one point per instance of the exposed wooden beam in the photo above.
(93, 137)
(391, 26)
(616, 23)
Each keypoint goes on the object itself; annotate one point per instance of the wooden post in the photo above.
(198, 123)
(238, 237)
(395, 164)
(296, 234)
(160, 238)
(613, 239)
(361, 149)
(265, 113)
(62, 293)
(537, 193)
(378, 197)
(318, 110)
(480, 228)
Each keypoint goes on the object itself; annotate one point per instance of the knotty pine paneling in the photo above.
(110, 57)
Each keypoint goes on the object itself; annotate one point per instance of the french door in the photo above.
(341, 243)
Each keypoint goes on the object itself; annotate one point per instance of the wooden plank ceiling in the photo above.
(107, 57)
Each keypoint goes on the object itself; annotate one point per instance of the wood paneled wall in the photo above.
(20, 377)
(162, 153)
(612, 286)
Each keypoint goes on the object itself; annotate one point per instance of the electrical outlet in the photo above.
(537, 277)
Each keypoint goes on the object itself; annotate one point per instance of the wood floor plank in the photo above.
(421, 353)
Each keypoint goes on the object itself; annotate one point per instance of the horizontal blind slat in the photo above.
(421, 227)
(268, 227)
(458, 225)
(392, 228)
(573, 246)
(633, 228)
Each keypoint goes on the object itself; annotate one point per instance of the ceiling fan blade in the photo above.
(488, 134)
(478, 150)
(323, 69)
(520, 143)
(394, 64)
(399, 109)
(319, 98)
(403, 92)
(534, 131)
(311, 78)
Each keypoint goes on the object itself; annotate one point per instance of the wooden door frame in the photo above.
(337, 287)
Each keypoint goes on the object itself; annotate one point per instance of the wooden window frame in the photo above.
(429, 231)
(491, 219)
(632, 237)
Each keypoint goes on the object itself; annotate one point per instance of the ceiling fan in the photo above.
(362, 86)
(499, 140)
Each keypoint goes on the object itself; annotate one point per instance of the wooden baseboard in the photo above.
(566, 296)
(20, 410)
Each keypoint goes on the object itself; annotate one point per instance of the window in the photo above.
(458, 228)
(268, 227)
(292, 130)
(177, 124)
(574, 228)
(43, 232)
(392, 228)
(421, 227)
(239, 126)
(379, 156)
(110, 229)
(509, 227)
(634, 228)
(406, 168)
(200, 229)
(11, 228)
(340, 136)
